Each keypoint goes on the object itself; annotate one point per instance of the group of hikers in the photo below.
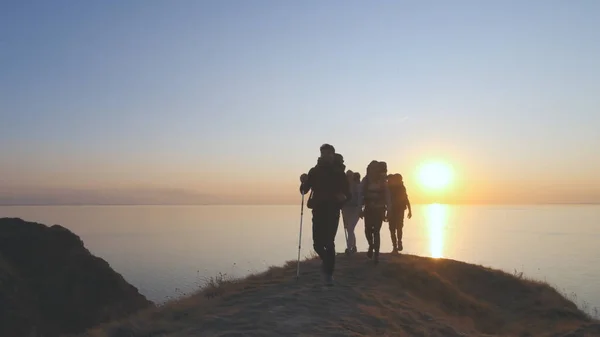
(377, 198)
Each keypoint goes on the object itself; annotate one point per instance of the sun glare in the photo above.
(435, 175)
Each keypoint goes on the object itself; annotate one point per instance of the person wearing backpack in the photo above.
(400, 202)
(351, 211)
(376, 202)
(329, 191)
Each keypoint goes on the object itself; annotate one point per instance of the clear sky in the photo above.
(196, 101)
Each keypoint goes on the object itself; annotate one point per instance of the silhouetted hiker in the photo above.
(376, 201)
(351, 210)
(400, 203)
(330, 190)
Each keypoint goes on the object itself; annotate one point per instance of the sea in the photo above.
(170, 251)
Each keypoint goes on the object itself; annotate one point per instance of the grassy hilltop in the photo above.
(404, 295)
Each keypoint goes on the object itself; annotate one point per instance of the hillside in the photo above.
(404, 295)
(50, 284)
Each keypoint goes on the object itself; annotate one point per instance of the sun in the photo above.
(435, 175)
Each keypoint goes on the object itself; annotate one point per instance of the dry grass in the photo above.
(403, 296)
(593, 313)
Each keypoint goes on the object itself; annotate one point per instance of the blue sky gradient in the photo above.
(233, 98)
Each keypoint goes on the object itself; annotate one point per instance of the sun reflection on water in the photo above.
(436, 216)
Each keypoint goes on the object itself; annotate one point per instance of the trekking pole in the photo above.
(300, 238)
(346, 233)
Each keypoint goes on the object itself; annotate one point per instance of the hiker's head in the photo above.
(327, 149)
(395, 179)
(327, 153)
(357, 177)
(350, 175)
(372, 168)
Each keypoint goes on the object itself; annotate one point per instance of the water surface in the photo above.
(167, 251)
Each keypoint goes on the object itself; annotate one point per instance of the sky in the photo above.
(147, 101)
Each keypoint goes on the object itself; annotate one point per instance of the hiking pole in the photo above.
(346, 235)
(300, 238)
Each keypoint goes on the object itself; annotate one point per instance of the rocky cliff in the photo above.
(50, 284)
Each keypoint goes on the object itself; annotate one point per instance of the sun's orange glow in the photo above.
(435, 175)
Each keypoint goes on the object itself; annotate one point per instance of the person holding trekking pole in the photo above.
(329, 191)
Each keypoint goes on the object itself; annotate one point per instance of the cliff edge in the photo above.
(51, 285)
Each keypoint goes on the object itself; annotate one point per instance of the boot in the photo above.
(348, 251)
(394, 242)
(400, 246)
(376, 258)
(353, 250)
(370, 252)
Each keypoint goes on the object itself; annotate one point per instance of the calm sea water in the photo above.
(167, 251)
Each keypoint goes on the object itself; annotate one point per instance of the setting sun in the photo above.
(435, 175)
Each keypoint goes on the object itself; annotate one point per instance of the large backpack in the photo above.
(383, 168)
(397, 191)
(374, 198)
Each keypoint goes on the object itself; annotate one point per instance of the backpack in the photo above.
(398, 191)
(399, 197)
(374, 198)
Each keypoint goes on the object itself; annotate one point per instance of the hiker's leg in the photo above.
(393, 224)
(352, 221)
(318, 232)
(372, 218)
(346, 218)
(333, 220)
(369, 228)
(377, 223)
(400, 228)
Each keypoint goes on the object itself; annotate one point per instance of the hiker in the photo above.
(375, 198)
(351, 211)
(400, 203)
(329, 190)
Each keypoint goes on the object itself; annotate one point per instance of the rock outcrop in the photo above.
(51, 285)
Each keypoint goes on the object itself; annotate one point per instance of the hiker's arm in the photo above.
(408, 205)
(361, 194)
(388, 198)
(308, 183)
(345, 186)
(361, 199)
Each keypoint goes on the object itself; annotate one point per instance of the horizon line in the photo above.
(295, 204)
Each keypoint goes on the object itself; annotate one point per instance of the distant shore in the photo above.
(297, 204)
